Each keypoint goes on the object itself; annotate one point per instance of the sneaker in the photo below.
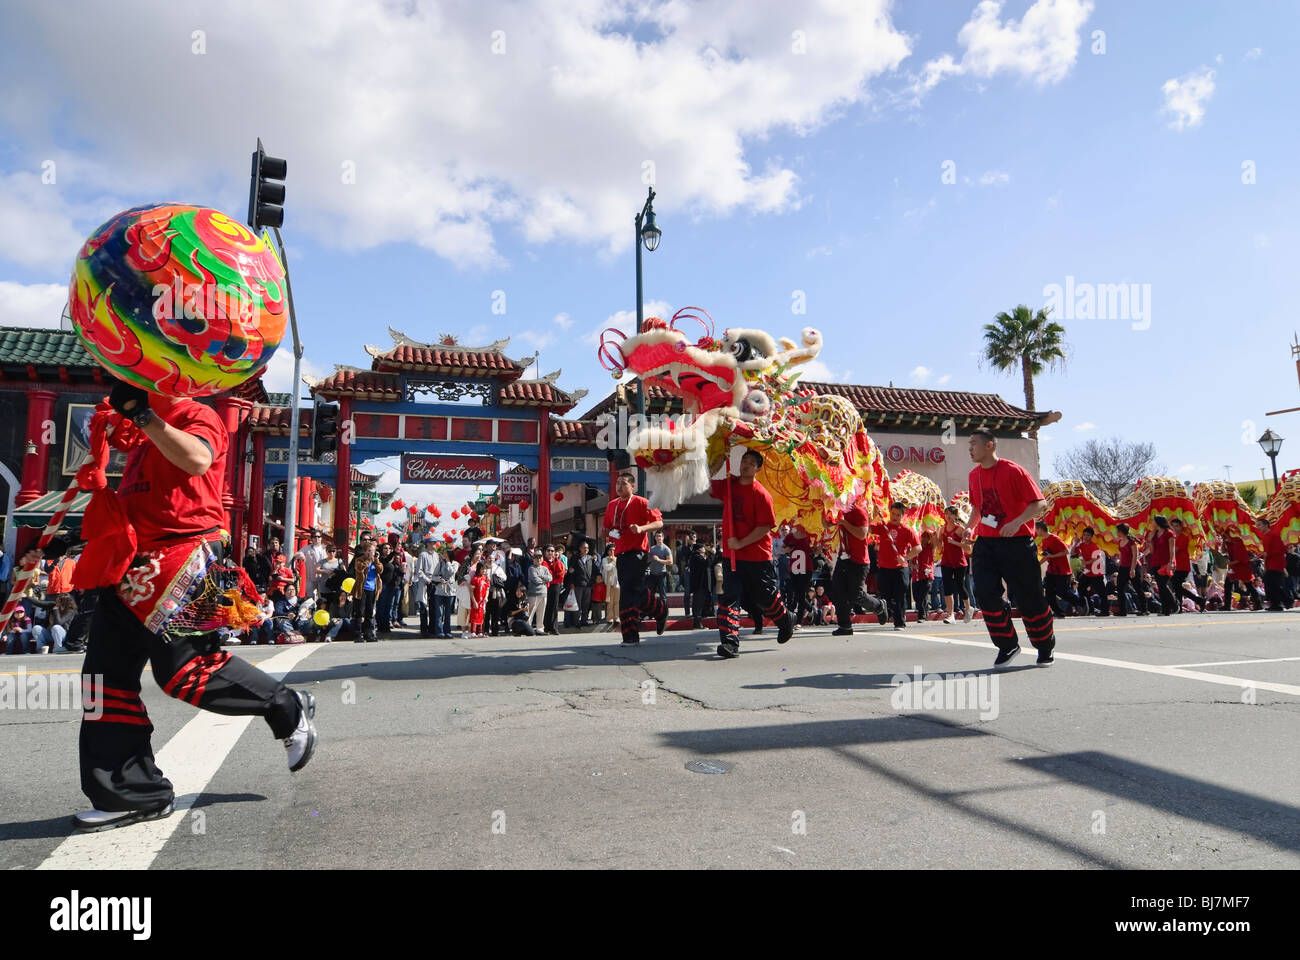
(631, 643)
(758, 632)
(94, 821)
(842, 632)
(785, 630)
(728, 652)
(301, 744)
(899, 626)
(1005, 657)
(948, 620)
(661, 622)
(1045, 658)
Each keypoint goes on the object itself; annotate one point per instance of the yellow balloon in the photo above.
(322, 618)
(348, 584)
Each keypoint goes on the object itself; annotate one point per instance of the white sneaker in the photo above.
(302, 742)
(947, 620)
(94, 821)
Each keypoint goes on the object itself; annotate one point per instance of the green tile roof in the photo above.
(43, 347)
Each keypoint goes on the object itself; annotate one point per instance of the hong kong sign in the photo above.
(516, 488)
(428, 468)
(896, 453)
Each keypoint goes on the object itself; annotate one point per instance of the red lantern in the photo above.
(455, 514)
(398, 504)
(523, 507)
(437, 514)
(557, 496)
(493, 509)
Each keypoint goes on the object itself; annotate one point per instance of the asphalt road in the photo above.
(1166, 743)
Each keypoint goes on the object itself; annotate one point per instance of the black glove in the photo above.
(130, 401)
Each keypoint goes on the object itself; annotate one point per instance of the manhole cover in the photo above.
(709, 766)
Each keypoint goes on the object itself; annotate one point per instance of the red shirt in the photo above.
(799, 550)
(1239, 558)
(751, 507)
(893, 540)
(621, 514)
(1094, 560)
(923, 566)
(853, 547)
(1159, 555)
(1057, 565)
(557, 568)
(161, 500)
(1126, 554)
(1002, 492)
(1181, 560)
(953, 554)
(1274, 551)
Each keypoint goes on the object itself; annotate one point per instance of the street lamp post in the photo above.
(649, 234)
(1271, 444)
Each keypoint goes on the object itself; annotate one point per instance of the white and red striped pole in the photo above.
(26, 574)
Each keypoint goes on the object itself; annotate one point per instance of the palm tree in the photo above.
(1027, 340)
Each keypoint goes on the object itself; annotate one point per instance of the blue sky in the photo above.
(777, 171)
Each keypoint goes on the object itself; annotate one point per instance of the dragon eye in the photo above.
(741, 350)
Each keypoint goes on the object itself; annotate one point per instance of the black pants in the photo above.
(846, 584)
(1177, 584)
(921, 597)
(635, 600)
(117, 763)
(552, 607)
(893, 590)
(520, 627)
(751, 582)
(1057, 590)
(1276, 591)
(688, 593)
(1168, 603)
(1249, 595)
(584, 604)
(954, 585)
(1013, 561)
(1097, 585)
(796, 594)
(1122, 587)
(702, 602)
(363, 615)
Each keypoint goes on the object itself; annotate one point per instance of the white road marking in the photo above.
(190, 760)
(1184, 674)
(1228, 663)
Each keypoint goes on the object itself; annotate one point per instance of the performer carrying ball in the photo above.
(171, 493)
(628, 519)
(1005, 501)
(747, 572)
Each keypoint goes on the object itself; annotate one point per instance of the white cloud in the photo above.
(1042, 46)
(563, 321)
(448, 144)
(41, 229)
(919, 374)
(1185, 98)
(1084, 427)
(625, 320)
(944, 379)
(994, 178)
(1260, 241)
(31, 305)
(1190, 468)
(278, 376)
(816, 252)
(539, 340)
(1254, 53)
(816, 371)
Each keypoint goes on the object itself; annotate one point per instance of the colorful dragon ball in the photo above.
(184, 301)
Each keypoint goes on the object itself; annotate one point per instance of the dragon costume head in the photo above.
(742, 389)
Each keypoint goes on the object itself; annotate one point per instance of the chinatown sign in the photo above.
(516, 488)
(452, 468)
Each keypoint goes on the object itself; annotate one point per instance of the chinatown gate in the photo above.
(452, 414)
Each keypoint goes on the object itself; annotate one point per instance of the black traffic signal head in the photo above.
(265, 195)
(324, 429)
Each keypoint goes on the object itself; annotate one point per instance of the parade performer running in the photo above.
(627, 521)
(171, 494)
(1005, 501)
(747, 571)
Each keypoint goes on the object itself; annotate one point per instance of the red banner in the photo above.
(428, 468)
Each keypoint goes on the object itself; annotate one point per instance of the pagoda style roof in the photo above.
(447, 356)
(892, 407)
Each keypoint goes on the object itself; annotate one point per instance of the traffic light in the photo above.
(324, 429)
(265, 195)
